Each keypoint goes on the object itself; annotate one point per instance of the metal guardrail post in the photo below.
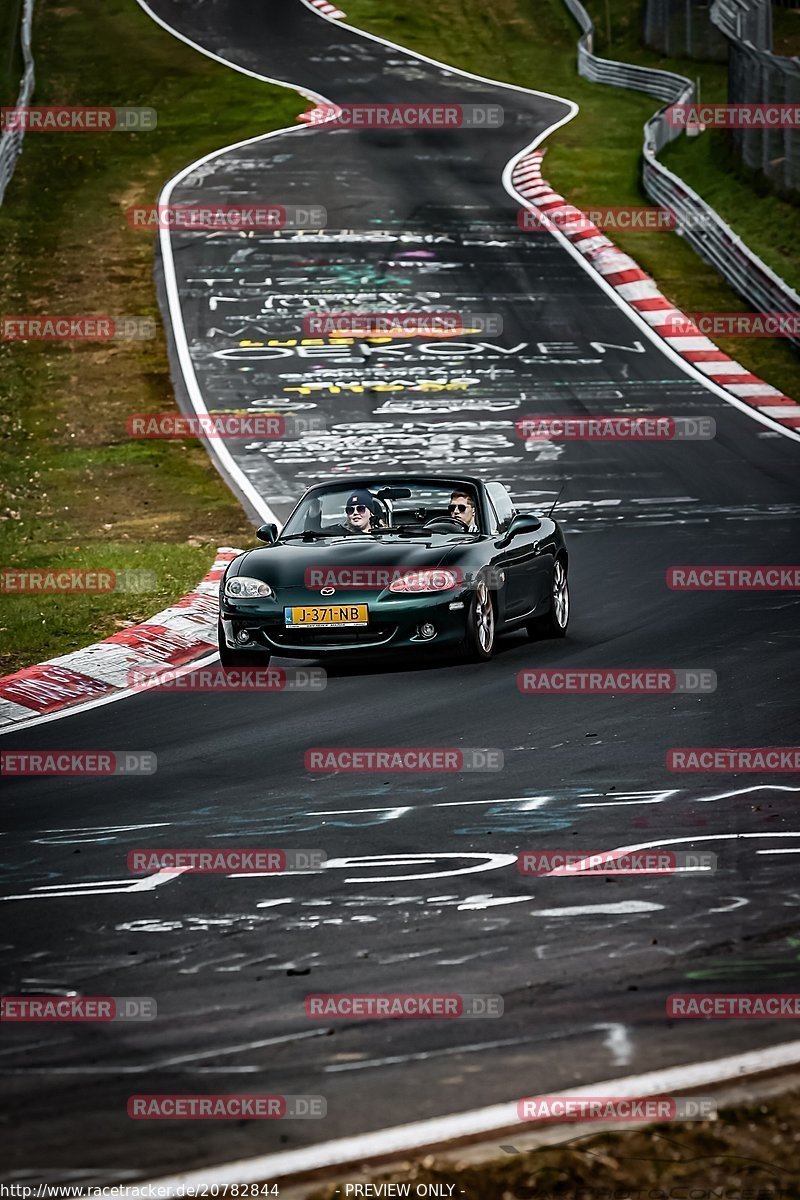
(700, 226)
(11, 139)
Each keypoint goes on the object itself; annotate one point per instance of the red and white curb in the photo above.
(185, 631)
(641, 292)
(329, 10)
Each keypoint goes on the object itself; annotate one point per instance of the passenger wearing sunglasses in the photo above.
(358, 513)
(462, 508)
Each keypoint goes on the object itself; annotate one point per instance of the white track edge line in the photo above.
(435, 62)
(225, 459)
(228, 466)
(515, 194)
(480, 1121)
(507, 183)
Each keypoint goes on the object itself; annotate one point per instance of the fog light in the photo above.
(427, 631)
(243, 636)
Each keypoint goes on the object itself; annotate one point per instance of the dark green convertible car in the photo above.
(395, 563)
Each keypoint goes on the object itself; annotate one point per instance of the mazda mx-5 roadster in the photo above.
(395, 563)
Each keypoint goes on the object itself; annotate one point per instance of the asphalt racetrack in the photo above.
(421, 892)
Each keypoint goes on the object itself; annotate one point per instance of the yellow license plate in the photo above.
(327, 616)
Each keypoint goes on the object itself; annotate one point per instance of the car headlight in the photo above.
(240, 587)
(436, 580)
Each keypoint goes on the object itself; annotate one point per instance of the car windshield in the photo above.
(380, 508)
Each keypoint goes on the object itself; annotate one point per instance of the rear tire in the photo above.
(479, 639)
(238, 658)
(554, 623)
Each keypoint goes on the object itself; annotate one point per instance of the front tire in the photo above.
(554, 623)
(237, 658)
(478, 644)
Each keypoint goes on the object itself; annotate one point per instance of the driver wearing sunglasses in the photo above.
(358, 513)
(462, 508)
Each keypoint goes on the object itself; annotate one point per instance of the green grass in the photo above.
(595, 159)
(786, 31)
(74, 488)
(768, 224)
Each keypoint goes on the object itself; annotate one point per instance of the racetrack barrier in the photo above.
(11, 139)
(698, 223)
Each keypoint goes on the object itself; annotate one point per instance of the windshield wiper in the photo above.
(309, 535)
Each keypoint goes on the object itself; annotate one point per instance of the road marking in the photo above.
(109, 887)
(487, 862)
(62, 840)
(413, 1138)
(228, 465)
(622, 909)
(162, 1063)
(661, 797)
(618, 1043)
(423, 1055)
(738, 902)
(478, 903)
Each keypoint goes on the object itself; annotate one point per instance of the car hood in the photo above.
(284, 565)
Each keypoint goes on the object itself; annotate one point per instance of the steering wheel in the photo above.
(446, 524)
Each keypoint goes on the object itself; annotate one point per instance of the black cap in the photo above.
(361, 496)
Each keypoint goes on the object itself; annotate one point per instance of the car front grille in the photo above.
(330, 637)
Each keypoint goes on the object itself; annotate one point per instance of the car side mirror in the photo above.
(268, 534)
(522, 523)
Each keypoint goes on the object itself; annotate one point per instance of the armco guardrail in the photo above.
(663, 84)
(11, 139)
(683, 28)
(699, 224)
(756, 75)
(744, 21)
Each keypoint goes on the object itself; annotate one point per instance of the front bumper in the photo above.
(393, 625)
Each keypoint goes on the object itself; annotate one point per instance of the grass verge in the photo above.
(768, 224)
(595, 159)
(75, 490)
(749, 1153)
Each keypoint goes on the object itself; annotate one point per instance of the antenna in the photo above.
(555, 502)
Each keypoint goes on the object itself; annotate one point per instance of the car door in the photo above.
(525, 567)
